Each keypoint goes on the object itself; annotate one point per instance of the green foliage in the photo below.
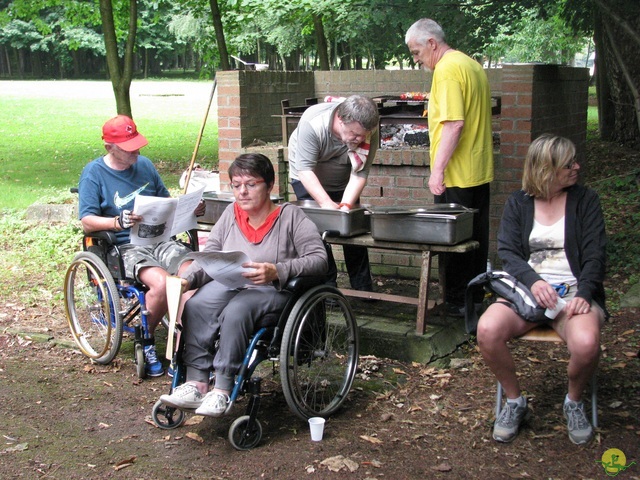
(536, 39)
(620, 198)
(34, 259)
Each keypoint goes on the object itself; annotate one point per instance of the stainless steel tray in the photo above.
(346, 223)
(216, 202)
(443, 224)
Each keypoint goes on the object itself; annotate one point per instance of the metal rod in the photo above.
(199, 139)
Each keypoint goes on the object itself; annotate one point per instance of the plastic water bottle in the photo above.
(489, 267)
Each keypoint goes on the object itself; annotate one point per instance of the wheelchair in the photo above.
(314, 340)
(102, 304)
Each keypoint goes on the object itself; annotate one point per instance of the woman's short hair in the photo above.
(254, 165)
(424, 29)
(546, 155)
(361, 109)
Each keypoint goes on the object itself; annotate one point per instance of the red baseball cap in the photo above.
(122, 131)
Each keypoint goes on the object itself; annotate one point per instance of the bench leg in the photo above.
(423, 294)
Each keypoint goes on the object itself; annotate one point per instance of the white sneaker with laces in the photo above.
(185, 396)
(214, 404)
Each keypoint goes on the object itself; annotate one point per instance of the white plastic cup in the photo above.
(551, 314)
(316, 425)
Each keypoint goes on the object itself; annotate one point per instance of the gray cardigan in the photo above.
(584, 244)
(293, 244)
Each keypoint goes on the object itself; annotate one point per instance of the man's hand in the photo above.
(436, 183)
(200, 209)
(125, 219)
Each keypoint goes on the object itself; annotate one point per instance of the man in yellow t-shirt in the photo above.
(461, 144)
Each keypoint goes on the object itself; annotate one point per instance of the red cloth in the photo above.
(254, 235)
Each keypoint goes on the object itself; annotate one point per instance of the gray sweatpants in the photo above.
(215, 310)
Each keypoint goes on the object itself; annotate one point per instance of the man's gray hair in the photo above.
(361, 109)
(424, 29)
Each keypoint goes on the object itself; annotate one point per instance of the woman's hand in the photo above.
(262, 274)
(545, 294)
(577, 306)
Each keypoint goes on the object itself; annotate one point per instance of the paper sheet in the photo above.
(164, 217)
(225, 267)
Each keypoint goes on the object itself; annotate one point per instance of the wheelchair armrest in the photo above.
(106, 235)
(300, 284)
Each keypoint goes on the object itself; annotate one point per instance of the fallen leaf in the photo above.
(351, 465)
(195, 420)
(124, 463)
(385, 417)
(415, 408)
(630, 354)
(615, 404)
(104, 425)
(16, 448)
(533, 360)
(399, 371)
(371, 439)
(194, 436)
(628, 332)
(443, 467)
(619, 365)
(334, 464)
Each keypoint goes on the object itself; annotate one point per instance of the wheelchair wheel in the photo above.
(242, 436)
(166, 417)
(319, 353)
(92, 304)
(139, 359)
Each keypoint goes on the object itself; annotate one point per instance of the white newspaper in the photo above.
(164, 217)
(225, 267)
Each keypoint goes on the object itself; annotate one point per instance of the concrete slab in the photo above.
(390, 337)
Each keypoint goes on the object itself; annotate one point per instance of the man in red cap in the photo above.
(107, 191)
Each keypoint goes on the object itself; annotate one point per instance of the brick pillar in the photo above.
(230, 113)
(536, 99)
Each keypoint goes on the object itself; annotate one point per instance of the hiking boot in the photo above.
(152, 366)
(579, 428)
(506, 426)
(213, 405)
(185, 396)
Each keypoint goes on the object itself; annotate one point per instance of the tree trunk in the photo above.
(217, 26)
(120, 73)
(321, 41)
(618, 70)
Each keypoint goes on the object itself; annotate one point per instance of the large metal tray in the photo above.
(442, 224)
(345, 223)
(216, 202)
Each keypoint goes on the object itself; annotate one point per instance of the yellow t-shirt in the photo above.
(460, 91)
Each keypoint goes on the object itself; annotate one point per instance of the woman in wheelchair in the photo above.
(282, 243)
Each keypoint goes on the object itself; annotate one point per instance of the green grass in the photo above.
(47, 141)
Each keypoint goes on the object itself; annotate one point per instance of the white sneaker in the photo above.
(214, 404)
(186, 395)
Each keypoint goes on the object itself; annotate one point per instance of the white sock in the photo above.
(567, 399)
(520, 401)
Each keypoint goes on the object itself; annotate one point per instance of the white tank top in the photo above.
(547, 257)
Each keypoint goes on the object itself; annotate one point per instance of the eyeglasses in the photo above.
(250, 185)
(571, 164)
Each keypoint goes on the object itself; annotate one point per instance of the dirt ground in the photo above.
(64, 418)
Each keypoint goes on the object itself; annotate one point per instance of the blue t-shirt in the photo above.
(105, 192)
